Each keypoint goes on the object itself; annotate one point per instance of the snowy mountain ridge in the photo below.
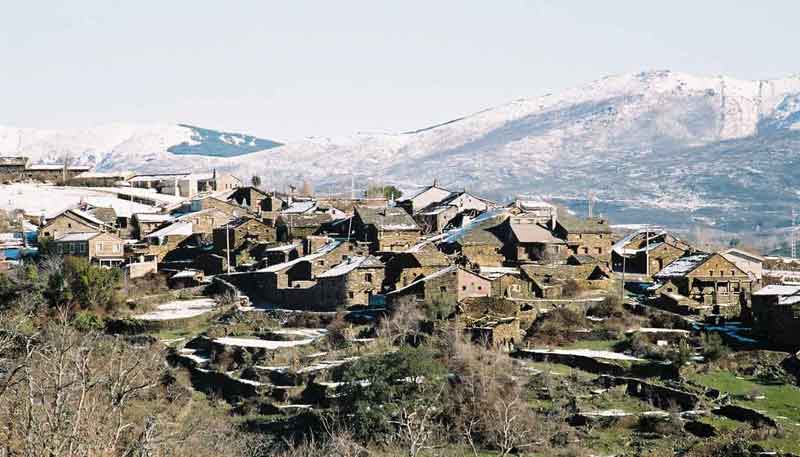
(716, 149)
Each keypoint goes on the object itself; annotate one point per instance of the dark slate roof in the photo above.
(388, 219)
(574, 224)
(480, 237)
(534, 233)
(107, 215)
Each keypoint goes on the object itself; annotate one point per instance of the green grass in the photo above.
(596, 345)
(782, 400)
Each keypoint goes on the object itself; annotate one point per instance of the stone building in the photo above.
(481, 244)
(186, 184)
(385, 229)
(439, 292)
(654, 247)
(508, 282)
(436, 216)
(250, 198)
(776, 315)
(403, 268)
(72, 221)
(210, 202)
(16, 169)
(290, 226)
(711, 283)
(422, 198)
(100, 179)
(589, 236)
(146, 223)
(349, 284)
(98, 247)
(240, 231)
(531, 242)
(205, 221)
(491, 320)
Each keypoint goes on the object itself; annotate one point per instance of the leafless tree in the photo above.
(403, 322)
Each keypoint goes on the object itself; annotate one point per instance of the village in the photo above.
(265, 297)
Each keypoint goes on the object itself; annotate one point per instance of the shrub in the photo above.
(713, 347)
(87, 321)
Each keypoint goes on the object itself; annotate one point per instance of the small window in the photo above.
(480, 287)
(368, 277)
(443, 289)
(463, 287)
(733, 273)
(69, 224)
(351, 294)
(711, 272)
(599, 250)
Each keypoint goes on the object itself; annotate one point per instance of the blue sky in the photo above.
(290, 69)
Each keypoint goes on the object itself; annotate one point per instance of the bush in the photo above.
(713, 347)
(610, 307)
(86, 321)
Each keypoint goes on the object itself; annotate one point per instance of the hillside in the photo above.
(672, 147)
(131, 146)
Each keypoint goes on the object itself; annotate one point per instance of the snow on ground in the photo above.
(259, 343)
(181, 309)
(303, 332)
(608, 355)
(36, 199)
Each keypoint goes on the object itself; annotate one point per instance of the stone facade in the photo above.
(241, 231)
(248, 197)
(17, 169)
(70, 221)
(406, 267)
(444, 288)
(385, 229)
(712, 283)
(103, 248)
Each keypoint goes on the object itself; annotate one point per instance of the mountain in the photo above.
(662, 145)
(138, 147)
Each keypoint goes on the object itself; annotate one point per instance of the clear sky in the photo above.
(289, 69)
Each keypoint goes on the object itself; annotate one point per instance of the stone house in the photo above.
(98, 247)
(72, 221)
(210, 202)
(100, 179)
(165, 240)
(555, 280)
(349, 284)
(186, 184)
(403, 268)
(436, 216)
(711, 283)
(776, 315)
(248, 197)
(589, 236)
(646, 252)
(16, 169)
(491, 320)
(205, 221)
(508, 282)
(424, 197)
(290, 227)
(146, 223)
(441, 291)
(270, 255)
(240, 231)
(385, 229)
(531, 242)
(480, 245)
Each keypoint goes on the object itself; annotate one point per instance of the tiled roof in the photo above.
(395, 219)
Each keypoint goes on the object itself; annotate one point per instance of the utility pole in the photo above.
(622, 289)
(793, 234)
(228, 245)
(591, 203)
(647, 249)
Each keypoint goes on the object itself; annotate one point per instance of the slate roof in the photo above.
(107, 215)
(351, 264)
(683, 266)
(534, 233)
(574, 224)
(82, 236)
(388, 219)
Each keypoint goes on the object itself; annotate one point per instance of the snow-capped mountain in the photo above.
(130, 146)
(715, 149)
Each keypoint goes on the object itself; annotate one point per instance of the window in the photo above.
(115, 248)
(368, 277)
(463, 288)
(351, 294)
(733, 273)
(69, 224)
(711, 272)
(320, 262)
(585, 250)
(480, 287)
(599, 250)
(443, 289)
